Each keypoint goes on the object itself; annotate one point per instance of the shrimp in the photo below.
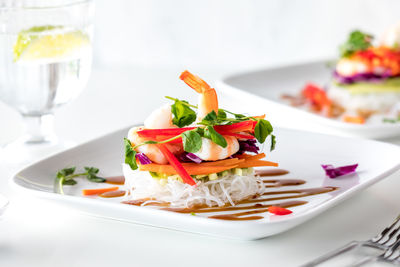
(160, 118)
(211, 151)
(348, 67)
(152, 151)
(208, 100)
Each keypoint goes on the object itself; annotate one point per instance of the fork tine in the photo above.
(391, 251)
(386, 231)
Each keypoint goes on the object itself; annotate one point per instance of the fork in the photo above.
(383, 241)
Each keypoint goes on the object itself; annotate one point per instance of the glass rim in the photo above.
(76, 3)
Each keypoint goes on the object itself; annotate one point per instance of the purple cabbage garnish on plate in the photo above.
(143, 159)
(334, 172)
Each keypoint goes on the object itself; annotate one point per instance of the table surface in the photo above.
(34, 232)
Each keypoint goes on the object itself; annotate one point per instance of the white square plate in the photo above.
(299, 152)
(269, 85)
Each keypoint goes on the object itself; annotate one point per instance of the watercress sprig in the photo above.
(66, 176)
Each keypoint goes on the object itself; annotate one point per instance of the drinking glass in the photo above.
(45, 61)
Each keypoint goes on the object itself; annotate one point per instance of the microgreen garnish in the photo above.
(191, 141)
(262, 130)
(183, 114)
(66, 176)
(210, 133)
(130, 154)
(357, 41)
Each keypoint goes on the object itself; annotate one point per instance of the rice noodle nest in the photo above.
(228, 189)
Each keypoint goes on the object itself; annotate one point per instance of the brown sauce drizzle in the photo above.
(283, 182)
(271, 172)
(115, 180)
(247, 212)
(117, 193)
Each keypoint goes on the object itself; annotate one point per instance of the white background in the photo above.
(240, 33)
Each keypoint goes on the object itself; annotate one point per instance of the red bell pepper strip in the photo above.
(167, 131)
(237, 135)
(279, 210)
(236, 127)
(176, 165)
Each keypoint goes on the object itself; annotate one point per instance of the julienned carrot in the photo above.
(97, 191)
(259, 117)
(251, 157)
(256, 163)
(191, 170)
(218, 163)
(176, 165)
(354, 119)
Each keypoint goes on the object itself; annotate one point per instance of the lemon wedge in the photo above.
(48, 42)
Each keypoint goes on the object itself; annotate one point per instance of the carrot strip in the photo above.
(251, 157)
(97, 191)
(256, 163)
(176, 165)
(191, 170)
(259, 116)
(218, 163)
(354, 119)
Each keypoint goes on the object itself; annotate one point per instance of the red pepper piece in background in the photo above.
(279, 210)
(316, 95)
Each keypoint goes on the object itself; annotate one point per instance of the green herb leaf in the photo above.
(273, 142)
(65, 172)
(69, 182)
(262, 130)
(183, 114)
(357, 41)
(221, 114)
(130, 154)
(191, 141)
(210, 119)
(211, 134)
(94, 178)
(91, 170)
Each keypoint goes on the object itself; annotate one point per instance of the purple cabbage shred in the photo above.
(363, 77)
(333, 172)
(249, 145)
(143, 159)
(189, 157)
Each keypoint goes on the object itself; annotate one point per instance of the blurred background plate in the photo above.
(264, 88)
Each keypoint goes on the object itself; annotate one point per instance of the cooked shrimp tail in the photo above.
(208, 100)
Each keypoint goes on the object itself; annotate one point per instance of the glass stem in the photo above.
(39, 128)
